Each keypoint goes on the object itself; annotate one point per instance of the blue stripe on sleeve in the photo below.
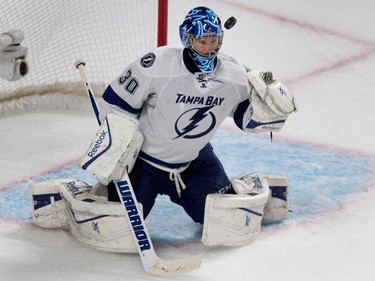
(111, 97)
(239, 113)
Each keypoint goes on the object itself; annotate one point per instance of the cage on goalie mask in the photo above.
(201, 22)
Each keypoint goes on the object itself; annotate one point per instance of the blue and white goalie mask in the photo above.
(202, 33)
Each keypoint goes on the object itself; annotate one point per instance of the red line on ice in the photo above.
(318, 29)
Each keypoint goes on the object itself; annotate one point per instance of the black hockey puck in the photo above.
(230, 22)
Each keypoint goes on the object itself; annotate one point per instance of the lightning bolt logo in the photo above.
(195, 121)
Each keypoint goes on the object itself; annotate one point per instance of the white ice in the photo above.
(325, 52)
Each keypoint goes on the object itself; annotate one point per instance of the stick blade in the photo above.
(170, 267)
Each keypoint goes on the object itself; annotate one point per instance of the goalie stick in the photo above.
(80, 65)
(150, 261)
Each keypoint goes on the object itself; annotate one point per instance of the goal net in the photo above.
(107, 35)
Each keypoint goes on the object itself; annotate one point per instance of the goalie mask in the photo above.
(201, 32)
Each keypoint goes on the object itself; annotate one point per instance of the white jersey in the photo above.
(178, 110)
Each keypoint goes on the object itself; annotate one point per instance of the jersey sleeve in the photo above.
(128, 91)
(241, 114)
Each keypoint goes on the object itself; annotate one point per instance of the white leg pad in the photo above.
(233, 220)
(277, 206)
(48, 207)
(93, 220)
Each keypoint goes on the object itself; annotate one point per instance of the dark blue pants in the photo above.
(204, 175)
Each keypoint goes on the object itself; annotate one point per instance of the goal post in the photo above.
(162, 22)
(108, 35)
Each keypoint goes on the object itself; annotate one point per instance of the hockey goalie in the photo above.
(157, 119)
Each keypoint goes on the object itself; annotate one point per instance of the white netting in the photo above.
(107, 35)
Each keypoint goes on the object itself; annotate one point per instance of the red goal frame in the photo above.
(162, 22)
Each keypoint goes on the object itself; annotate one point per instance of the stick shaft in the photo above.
(89, 91)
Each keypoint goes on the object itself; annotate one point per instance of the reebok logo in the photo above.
(72, 188)
(96, 145)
